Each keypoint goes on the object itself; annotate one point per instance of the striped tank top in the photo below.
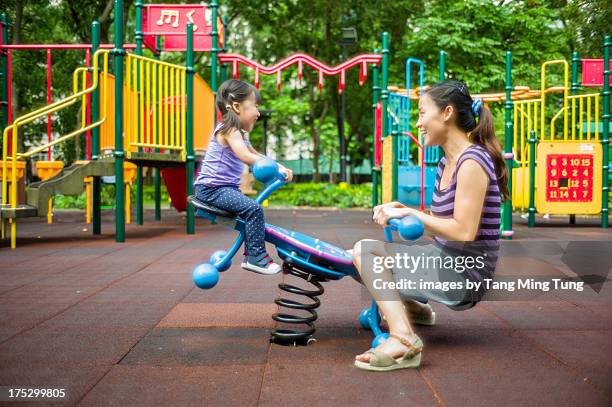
(486, 243)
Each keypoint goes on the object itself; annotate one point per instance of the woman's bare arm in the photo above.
(472, 184)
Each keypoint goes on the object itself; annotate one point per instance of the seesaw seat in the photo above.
(208, 208)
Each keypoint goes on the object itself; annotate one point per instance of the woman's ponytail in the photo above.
(484, 134)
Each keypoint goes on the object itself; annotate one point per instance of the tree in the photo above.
(275, 30)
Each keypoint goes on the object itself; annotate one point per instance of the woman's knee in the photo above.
(367, 246)
(358, 251)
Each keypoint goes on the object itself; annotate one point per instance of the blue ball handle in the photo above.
(409, 228)
(266, 170)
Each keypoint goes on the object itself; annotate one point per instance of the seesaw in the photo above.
(306, 257)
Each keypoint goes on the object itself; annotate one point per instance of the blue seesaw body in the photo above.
(310, 255)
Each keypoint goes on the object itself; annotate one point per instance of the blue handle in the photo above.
(266, 170)
(409, 228)
(394, 223)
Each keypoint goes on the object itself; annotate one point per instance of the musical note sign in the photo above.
(169, 19)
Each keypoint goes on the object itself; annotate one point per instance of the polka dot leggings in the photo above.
(230, 199)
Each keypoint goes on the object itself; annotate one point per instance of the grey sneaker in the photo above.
(261, 264)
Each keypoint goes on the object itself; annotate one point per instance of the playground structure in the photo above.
(404, 178)
(146, 120)
(576, 132)
(561, 147)
(303, 256)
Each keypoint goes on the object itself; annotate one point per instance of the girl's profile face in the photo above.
(431, 122)
(248, 111)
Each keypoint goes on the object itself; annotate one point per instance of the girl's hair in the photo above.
(481, 131)
(229, 92)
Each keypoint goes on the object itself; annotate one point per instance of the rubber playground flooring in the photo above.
(123, 324)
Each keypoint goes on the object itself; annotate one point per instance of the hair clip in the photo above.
(461, 88)
(477, 107)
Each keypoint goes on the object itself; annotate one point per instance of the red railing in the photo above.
(300, 59)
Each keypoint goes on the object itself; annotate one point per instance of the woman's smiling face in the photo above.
(431, 123)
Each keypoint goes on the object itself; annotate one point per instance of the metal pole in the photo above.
(442, 65)
(214, 6)
(573, 89)
(190, 165)
(395, 140)
(224, 67)
(265, 136)
(532, 149)
(341, 126)
(96, 187)
(441, 77)
(4, 72)
(118, 153)
(49, 79)
(157, 177)
(509, 130)
(375, 97)
(4, 104)
(88, 106)
(385, 91)
(605, 139)
(139, 178)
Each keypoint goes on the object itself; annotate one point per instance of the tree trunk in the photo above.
(105, 22)
(330, 166)
(314, 135)
(106, 19)
(315, 125)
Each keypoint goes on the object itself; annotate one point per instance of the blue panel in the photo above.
(409, 182)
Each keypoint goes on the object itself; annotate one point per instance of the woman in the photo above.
(465, 218)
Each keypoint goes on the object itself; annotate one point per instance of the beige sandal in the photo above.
(382, 362)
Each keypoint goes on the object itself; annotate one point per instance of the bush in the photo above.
(80, 201)
(108, 197)
(323, 194)
(293, 194)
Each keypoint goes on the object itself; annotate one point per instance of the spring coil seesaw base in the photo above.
(295, 337)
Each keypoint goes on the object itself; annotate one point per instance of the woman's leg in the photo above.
(413, 307)
(390, 303)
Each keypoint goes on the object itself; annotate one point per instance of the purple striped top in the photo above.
(486, 242)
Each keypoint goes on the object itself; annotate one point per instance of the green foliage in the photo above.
(108, 197)
(323, 194)
(80, 201)
(479, 33)
(474, 33)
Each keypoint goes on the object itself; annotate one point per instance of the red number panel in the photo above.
(569, 178)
